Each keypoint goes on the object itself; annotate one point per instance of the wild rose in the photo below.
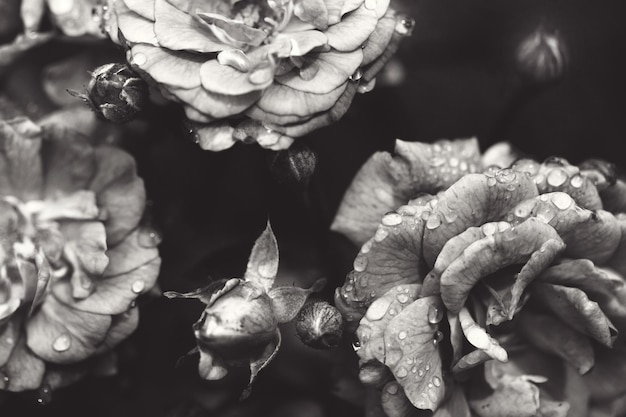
(480, 268)
(73, 255)
(239, 325)
(262, 70)
(72, 17)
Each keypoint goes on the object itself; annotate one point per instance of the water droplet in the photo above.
(435, 314)
(437, 337)
(437, 161)
(356, 345)
(491, 181)
(392, 219)
(450, 216)
(539, 179)
(405, 26)
(433, 222)
(489, 229)
(139, 59)
(436, 381)
(373, 293)
(562, 201)
(377, 310)
(358, 74)
(392, 388)
(392, 312)
(463, 166)
(367, 246)
(428, 367)
(44, 395)
(138, 286)
(360, 263)
(545, 213)
(421, 372)
(62, 343)
(403, 298)
(5, 380)
(555, 161)
(557, 177)
(577, 181)
(522, 211)
(402, 373)
(381, 234)
(402, 335)
(505, 176)
(149, 238)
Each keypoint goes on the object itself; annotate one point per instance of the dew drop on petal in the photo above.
(402, 373)
(491, 181)
(44, 395)
(5, 380)
(435, 314)
(505, 176)
(557, 177)
(436, 381)
(138, 286)
(577, 181)
(421, 372)
(149, 238)
(403, 298)
(392, 219)
(488, 229)
(360, 263)
(356, 345)
(402, 335)
(433, 222)
(377, 310)
(367, 246)
(562, 201)
(381, 234)
(62, 343)
(437, 337)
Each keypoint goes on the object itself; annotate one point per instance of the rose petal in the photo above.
(618, 260)
(60, 334)
(334, 69)
(394, 402)
(473, 200)
(297, 43)
(515, 396)
(232, 31)
(177, 30)
(607, 379)
(8, 336)
(112, 295)
(353, 30)
(614, 197)
(23, 371)
(223, 79)
(263, 262)
(257, 364)
(312, 11)
(377, 318)
(113, 165)
(173, 68)
(21, 145)
(122, 326)
(215, 137)
(87, 242)
(409, 342)
(213, 104)
(522, 244)
(385, 182)
(574, 307)
(553, 336)
(559, 175)
(288, 301)
(124, 202)
(380, 38)
(390, 258)
(135, 27)
(144, 8)
(68, 160)
(280, 99)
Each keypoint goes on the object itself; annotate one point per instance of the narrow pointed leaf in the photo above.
(263, 262)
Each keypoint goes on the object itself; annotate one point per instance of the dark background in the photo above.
(460, 80)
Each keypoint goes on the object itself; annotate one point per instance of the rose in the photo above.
(266, 70)
(73, 255)
(239, 325)
(522, 264)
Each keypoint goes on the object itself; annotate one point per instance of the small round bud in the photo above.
(319, 325)
(294, 166)
(541, 56)
(115, 92)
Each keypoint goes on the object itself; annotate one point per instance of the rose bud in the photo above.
(319, 325)
(115, 92)
(293, 166)
(542, 56)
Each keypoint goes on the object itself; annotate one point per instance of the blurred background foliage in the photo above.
(455, 77)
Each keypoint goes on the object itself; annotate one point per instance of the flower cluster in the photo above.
(239, 325)
(73, 254)
(492, 285)
(258, 70)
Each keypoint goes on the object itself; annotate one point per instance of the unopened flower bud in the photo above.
(294, 166)
(542, 56)
(115, 92)
(319, 325)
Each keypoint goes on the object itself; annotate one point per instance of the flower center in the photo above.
(269, 16)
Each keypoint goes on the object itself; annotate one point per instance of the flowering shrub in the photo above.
(73, 255)
(491, 284)
(264, 70)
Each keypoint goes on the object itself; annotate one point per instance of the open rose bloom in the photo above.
(487, 285)
(258, 70)
(73, 255)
